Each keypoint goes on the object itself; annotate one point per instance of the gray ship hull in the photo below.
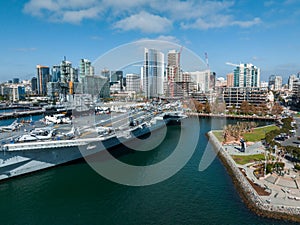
(23, 158)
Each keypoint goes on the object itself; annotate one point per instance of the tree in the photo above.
(276, 109)
(207, 108)
(199, 107)
(245, 107)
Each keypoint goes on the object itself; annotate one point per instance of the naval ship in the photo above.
(42, 148)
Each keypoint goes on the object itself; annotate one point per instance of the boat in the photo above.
(12, 127)
(41, 148)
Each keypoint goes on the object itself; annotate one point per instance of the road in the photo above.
(293, 141)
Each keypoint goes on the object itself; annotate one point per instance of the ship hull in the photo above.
(20, 159)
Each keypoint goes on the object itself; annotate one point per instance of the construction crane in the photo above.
(232, 64)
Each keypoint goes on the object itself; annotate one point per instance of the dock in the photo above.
(10, 115)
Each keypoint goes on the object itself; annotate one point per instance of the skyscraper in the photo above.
(173, 67)
(133, 82)
(85, 68)
(246, 75)
(275, 82)
(230, 79)
(43, 76)
(153, 73)
(67, 72)
(34, 85)
(201, 80)
(291, 81)
(55, 71)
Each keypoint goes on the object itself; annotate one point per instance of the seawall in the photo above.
(250, 197)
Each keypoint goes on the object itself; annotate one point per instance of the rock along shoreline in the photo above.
(247, 192)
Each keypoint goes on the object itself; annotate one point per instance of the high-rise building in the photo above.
(246, 75)
(234, 96)
(16, 80)
(105, 73)
(201, 79)
(117, 78)
(264, 84)
(43, 76)
(153, 73)
(292, 79)
(275, 83)
(212, 80)
(173, 66)
(133, 82)
(56, 73)
(230, 79)
(86, 68)
(95, 86)
(67, 72)
(34, 85)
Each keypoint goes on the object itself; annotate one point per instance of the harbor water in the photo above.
(76, 194)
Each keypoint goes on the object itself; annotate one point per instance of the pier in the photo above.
(10, 115)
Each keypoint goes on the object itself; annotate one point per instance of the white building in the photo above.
(246, 75)
(264, 84)
(86, 68)
(275, 82)
(153, 73)
(291, 81)
(173, 67)
(201, 79)
(133, 82)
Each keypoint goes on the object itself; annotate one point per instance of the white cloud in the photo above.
(168, 38)
(248, 23)
(163, 38)
(36, 7)
(69, 11)
(150, 16)
(219, 21)
(78, 16)
(146, 22)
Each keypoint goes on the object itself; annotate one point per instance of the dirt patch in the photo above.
(260, 191)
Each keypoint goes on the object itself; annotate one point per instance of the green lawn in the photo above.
(244, 159)
(259, 133)
(219, 135)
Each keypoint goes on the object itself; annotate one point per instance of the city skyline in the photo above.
(263, 33)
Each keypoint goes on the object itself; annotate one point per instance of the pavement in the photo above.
(255, 148)
(284, 189)
(293, 141)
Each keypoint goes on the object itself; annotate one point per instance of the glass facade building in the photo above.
(246, 75)
(153, 73)
(43, 77)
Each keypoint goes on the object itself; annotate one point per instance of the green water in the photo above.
(75, 194)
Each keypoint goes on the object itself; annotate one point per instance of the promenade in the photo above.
(281, 203)
(231, 116)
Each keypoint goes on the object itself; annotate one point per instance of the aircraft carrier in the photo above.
(45, 147)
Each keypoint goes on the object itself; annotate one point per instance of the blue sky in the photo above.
(264, 33)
